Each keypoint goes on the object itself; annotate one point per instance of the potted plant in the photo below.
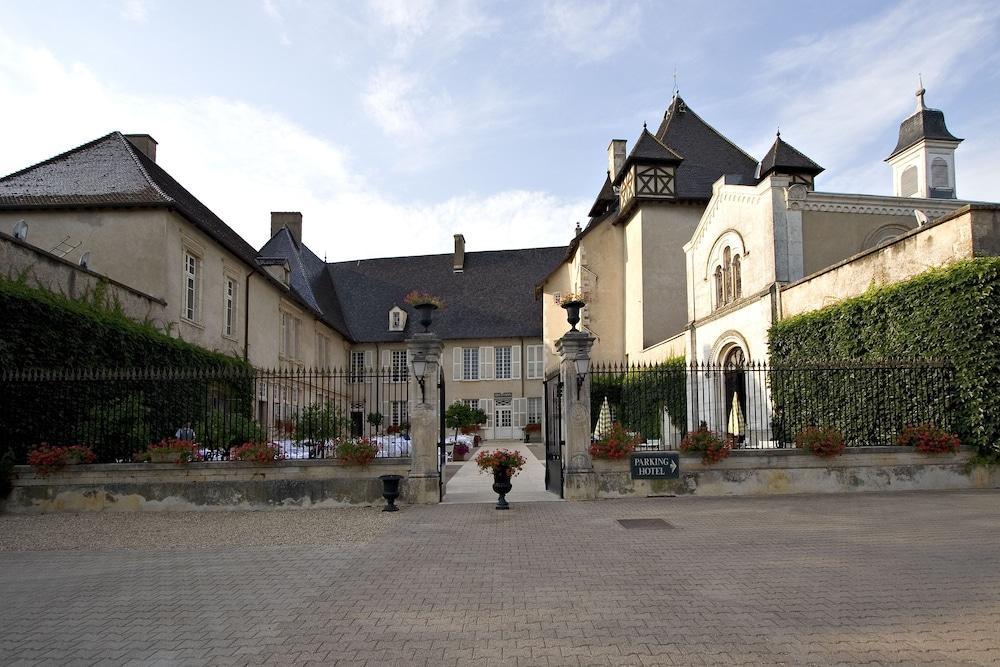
(616, 444)
(823, 441)
(47, 459)
(356, 451)
(503, 464)
(460, 451)
(375, 419)
(928, 439)
(463, 418)
(257, 452)
(530, 431)
(572, 303)
(171, 450)
(712, 447)
(425, 304)
(390, 491)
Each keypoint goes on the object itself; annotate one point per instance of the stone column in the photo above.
(423, 484)
(579, 483)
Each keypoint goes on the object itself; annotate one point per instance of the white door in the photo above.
(503, 425)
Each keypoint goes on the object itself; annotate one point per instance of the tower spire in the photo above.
(920, 93)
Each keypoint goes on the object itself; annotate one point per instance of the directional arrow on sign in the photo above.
(673, 466)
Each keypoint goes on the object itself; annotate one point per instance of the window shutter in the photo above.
(515, 362)
(489, 413)
(486, 363)
(457, 366)
(520, 412)
(369, 364)
(386, 415)
(386, 360)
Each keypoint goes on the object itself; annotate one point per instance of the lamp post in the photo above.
(419, 371)
(582, 368)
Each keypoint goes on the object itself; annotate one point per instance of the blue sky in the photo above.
(393, 124)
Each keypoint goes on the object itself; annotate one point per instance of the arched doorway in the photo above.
(734, 384)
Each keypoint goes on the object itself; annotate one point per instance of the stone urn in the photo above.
(426, 311)
(573, 313)
(502, 486)
(390, 491)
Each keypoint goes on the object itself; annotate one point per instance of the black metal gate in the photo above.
(442, 448)
(553, 434)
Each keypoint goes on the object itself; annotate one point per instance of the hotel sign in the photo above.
(655, 465)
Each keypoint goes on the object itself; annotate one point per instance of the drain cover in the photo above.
(644, 524)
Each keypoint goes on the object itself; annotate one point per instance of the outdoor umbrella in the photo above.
(603, 427)
(737, 424)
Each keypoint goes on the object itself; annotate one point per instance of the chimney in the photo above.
(459, 261)
(290, 219)
(616, 157)
(145, 143)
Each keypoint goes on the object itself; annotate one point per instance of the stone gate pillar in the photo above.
(424, 479)
(580, 483)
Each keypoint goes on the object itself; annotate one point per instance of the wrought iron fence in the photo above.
(765, 407)
(119, 412)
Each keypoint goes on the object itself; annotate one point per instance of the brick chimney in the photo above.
(290, 219)
(616, 156)
(458, 265)
(145, 143)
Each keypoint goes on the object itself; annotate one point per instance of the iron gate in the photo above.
(442, 447)
(553, 434)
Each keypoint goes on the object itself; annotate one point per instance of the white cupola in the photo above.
(923, 162)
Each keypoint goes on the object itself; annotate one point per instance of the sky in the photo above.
(394, 124)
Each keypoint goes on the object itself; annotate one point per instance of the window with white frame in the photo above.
(470, 363)
(399, 414)
(502, 358)
(536, 362)
(229, 316)
(398, 366)
(534, 410)
(470, 403)
(192, 287)
(357, 367)
(289, 336)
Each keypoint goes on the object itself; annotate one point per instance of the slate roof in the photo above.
(308, 278)
(605, 198)
(924, 124)
(492, 297)
(111, 172)
(648, 149)
(784, 157)
(707, 154)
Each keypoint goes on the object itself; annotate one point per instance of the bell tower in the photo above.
(923, 162)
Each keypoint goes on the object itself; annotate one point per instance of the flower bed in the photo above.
(617, 444)
(46, 459)
(822, 441)
(712, 447)
(928, 439)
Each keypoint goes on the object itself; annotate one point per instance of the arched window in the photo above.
(737, 278)
(908, 182)
(939, 173)
(727, 283)
(718, 286)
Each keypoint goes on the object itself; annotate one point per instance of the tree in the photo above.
(460, 415)
(375, 419)
(319, 422)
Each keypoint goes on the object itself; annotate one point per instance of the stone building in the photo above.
(108, 206)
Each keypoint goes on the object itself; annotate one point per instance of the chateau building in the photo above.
(109, 206)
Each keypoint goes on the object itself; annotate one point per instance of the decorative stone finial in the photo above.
(920, 93)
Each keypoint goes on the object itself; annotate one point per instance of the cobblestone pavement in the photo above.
(864, 579)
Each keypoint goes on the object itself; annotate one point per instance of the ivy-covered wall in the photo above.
(638, 395)
(949, 314)
(39, 329)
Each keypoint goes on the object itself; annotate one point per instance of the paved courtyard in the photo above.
(866, 579)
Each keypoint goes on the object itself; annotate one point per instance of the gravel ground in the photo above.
(185, 530)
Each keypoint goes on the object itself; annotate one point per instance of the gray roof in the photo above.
(924, 124)
(492, 297)
(605, 198)
(785, 158)
(111, 172)
(649, 150)
(707, 154)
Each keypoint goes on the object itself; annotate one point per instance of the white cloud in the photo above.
(590, 31)
(836, 93)
(135, 10)
(243, 162)
(272, 11)
(435, 28)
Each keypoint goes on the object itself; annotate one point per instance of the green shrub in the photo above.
(319, 422)
(638, 395)
(946, 314)
(222, 429)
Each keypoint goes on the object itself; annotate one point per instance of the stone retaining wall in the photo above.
(202, 486)
(787, 471)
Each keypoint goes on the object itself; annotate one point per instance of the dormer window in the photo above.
(397, 319)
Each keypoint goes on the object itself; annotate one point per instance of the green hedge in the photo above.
(638, 395)
(947, 314)
(39, 329)
(120, 417)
